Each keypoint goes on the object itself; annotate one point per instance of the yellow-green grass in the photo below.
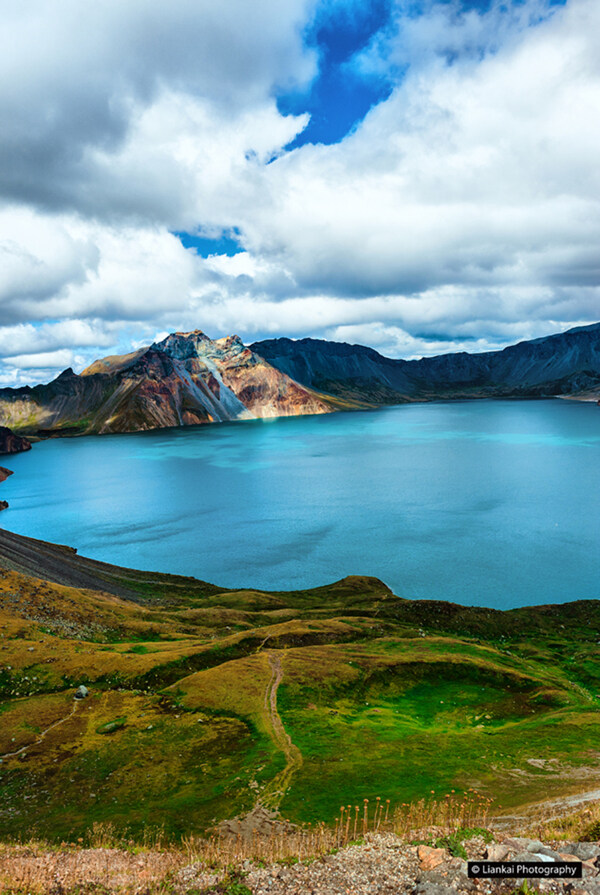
(159, 765)
(381, 696)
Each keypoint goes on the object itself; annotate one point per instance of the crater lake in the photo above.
(490, 503)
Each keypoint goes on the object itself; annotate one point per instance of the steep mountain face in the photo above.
(11, 444)
(184, 380)
(339, 368)
(187, 379)
(563, 364)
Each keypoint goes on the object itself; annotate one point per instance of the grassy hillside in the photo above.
(204, 703)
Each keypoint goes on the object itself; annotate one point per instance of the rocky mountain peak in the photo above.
(183, 345)
(230, 344)
(185, 379)
(197, 344)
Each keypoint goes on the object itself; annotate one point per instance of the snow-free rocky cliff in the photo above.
(188, 378)
(185, 379)
(566, 364)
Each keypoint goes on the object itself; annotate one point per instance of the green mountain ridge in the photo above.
(204, 703)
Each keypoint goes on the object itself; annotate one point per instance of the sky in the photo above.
(420, 176)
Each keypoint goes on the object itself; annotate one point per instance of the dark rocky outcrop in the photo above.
(10, 443)
(61, 564)
(566, 364)
(4, 474)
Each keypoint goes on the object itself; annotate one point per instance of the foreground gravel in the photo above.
(382, 865)
(385, 865)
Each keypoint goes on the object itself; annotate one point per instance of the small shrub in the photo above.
(524, 889)
(592, 834)
(237, 889)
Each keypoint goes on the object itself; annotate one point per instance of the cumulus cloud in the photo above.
(462, 212)
(74, 88)
(471, 174)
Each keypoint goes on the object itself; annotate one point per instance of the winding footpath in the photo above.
(277, 788)
(42, 734)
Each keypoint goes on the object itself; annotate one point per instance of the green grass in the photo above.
(383, 697)
(160, 768)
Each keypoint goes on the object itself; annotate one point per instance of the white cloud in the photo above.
(43, 360)
(74, 87)
(464, 212)
(25, 337)
(471, 175)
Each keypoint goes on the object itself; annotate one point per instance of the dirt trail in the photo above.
(42, 734)
(276, 789)
(547, 809)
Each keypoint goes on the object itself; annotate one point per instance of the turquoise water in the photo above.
(491, 503)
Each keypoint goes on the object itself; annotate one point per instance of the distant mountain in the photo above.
(188, 378)
(565, 364)
(184, 380)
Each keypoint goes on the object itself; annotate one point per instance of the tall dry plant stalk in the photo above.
(120, 864)
(410, 820)
(467, 810)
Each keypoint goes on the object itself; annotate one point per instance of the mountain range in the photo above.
(184, 380)
(188, 379)
(566, 364)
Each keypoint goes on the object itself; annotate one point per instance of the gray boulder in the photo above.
(585, 851)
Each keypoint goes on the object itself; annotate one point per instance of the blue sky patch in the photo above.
(225, 244)
(340, 96)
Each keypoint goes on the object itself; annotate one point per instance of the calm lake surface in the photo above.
(493, 503)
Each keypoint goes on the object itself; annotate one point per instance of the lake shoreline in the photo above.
(186, 500)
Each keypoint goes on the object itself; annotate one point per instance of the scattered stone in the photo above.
(81, 692)
(430, 857)
(590, 867)
(429, 888)
(592, 887)
(383, 865)
(585, 851)
(565, 856)
(538, 848)
(3, 505)
(516, 843)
